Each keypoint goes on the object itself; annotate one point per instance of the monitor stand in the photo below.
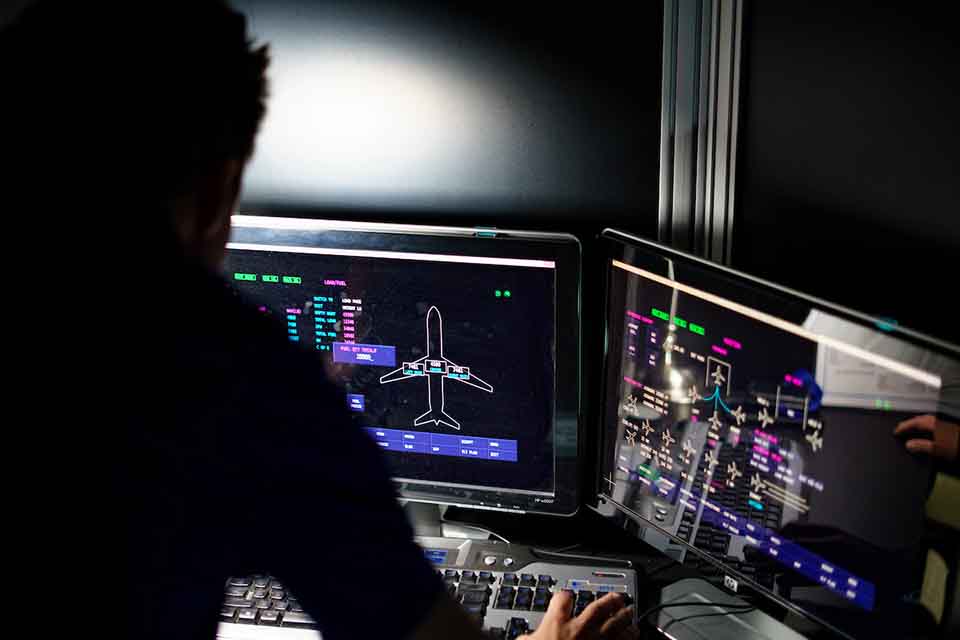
(703, 598)
(427, 521)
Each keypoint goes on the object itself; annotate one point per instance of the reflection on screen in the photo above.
(763, 443)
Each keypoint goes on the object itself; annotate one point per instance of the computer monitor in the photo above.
(749, 429)
(456, 349)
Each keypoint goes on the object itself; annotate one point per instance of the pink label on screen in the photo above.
(637, 316)
(335, 283)
(730, 342)
(719, 350)
(347, 314)
(294, 311)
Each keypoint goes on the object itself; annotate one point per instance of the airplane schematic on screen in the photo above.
(436, 369)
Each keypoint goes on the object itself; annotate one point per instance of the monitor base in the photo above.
(428, 520)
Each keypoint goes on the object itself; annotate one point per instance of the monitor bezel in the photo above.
(622, 246)
(563, 249)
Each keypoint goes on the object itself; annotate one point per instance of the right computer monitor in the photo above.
(751, 427)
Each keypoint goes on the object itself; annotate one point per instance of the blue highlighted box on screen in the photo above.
(355, 401)
(378, 355)
(500, 449)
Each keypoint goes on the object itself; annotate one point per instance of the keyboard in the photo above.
(504, 587)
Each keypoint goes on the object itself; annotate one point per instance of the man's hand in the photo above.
(943, 442)
(606, 617)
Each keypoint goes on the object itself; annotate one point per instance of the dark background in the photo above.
(848, 129)
(847, 168)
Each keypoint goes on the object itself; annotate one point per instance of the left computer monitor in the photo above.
(456, 349)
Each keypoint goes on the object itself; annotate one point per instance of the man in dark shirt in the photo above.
(227, 451)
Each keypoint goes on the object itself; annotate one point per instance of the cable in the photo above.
(735, 607)
(560, 550)
(706, 615)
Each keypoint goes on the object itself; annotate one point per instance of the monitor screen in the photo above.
(752, 429)
(447, 360)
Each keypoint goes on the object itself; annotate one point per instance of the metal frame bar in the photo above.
(698, 139)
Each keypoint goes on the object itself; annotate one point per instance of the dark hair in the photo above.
(136, 97)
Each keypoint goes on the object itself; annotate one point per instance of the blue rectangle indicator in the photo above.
(440, 444)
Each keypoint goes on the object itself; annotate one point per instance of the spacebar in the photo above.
(232, 631)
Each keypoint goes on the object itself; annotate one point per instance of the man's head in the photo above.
(146, 112)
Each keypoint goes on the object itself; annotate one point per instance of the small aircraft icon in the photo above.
(765, 418)
(437, 370)
(739, 415)
(718, 377)
(688, 448)
(815, 440)
(667, 439)
(694, 396)
(715, 420)
(756, 483)
(647, 429)
(733, 472)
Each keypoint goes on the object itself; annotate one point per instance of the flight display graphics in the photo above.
(749, 437)
(447, 362)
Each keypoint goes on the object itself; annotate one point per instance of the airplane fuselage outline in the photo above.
(436, 369)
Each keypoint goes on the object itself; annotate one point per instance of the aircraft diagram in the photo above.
(437, 369)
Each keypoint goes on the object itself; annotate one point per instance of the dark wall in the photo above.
(514, 115)
(847, 174)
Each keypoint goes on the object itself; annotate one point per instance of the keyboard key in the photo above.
(468, 576)
(451, 574)
(280, 605)
(226, 614)
(545, 581)
(486, 576)
(452, 589)
(527, 580)
(276, 585)
(297, 617)
(505, 598)
(516, 627)
(474, 597)
(475, 610)
(260, 582)
(262, 603)
(236, 592)
(509, 579)
(524, 598)
(475, 587)
(277, 595)
(585, 596)
(242, 581)
(541, 598)
(295, 606)
(246, 615)
(237, 602)
(260, 593)
(269, 617)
